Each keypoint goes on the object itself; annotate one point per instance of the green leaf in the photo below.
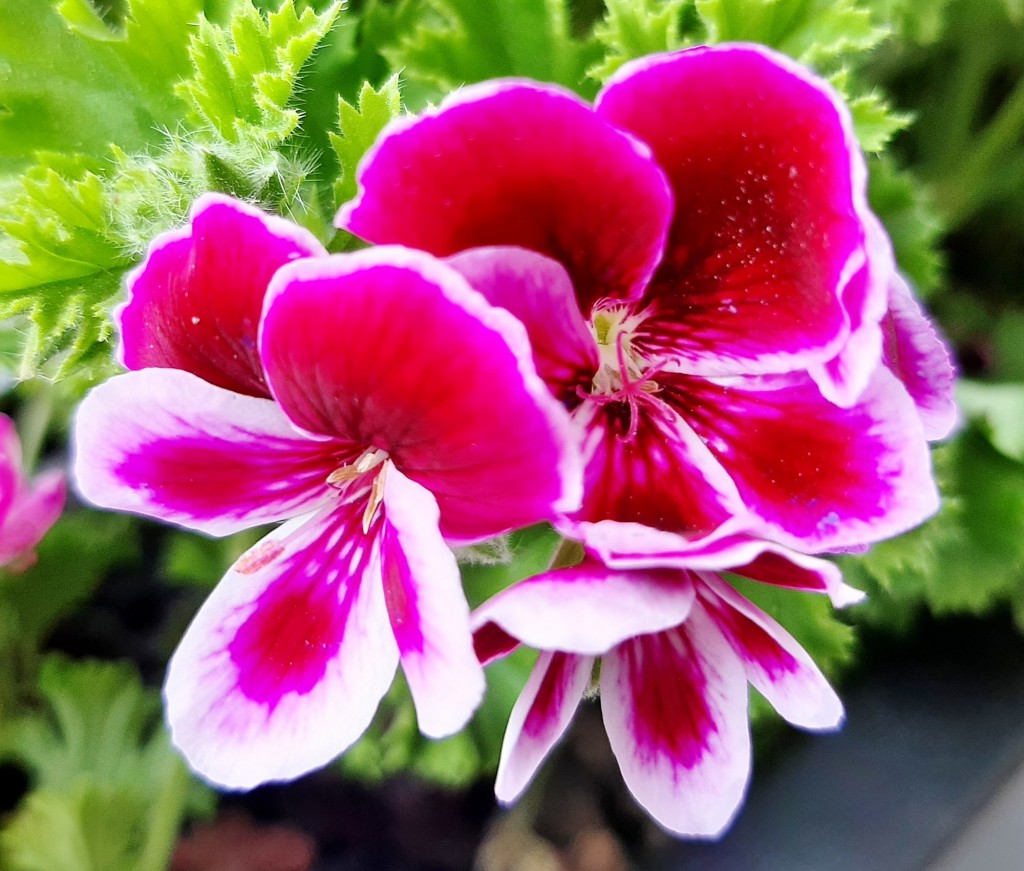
(969, 559)
(816, 32)
(456, 42)
(71, 84)
(633, 28)
(86, 827)
(360, 126)
(245, 73)
(109, 792)
(906, 208)
(874, 120)
(998, 409)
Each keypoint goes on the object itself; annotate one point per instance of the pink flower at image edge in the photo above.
(27, 508)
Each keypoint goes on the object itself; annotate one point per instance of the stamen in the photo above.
(631, 390)
(369, 459)
(374, 502)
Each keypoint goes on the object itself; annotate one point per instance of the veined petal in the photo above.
(661, 476)
(518, 163)
(284, 665)
(540, 717)
(166, 444)
(675, 709)
(775, 663)
(916, 353)
(428, 611)
(195, 301)
(392, 349)
(10, 464)
(539, 292)
(817, 475)
(769, 185)
(588, 608)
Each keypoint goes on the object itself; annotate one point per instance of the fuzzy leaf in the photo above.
(816, 32)
(360, 125)
(631, 29)
(245, 73)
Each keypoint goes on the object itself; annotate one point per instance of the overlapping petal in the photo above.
(662, 476)
(287, 660)
(818, 475)
(539, 292)
(675, 708)
(516, 163)
(166, 444)
(428, 611)
(777, 666)
(448, 390)
(195, 302)
(769, 188)
(914, 351)
(588, 608)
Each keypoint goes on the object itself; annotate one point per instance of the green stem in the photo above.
(165, 818)
(962, 196)
(569, 553)
(34, 422)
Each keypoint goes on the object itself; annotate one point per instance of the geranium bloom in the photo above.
(27, 508)
(380, 405)
(701, 278)
(676, 647)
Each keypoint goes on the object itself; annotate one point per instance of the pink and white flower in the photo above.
(375, 402)
(702, 280)
(674, 648)
(28, 508)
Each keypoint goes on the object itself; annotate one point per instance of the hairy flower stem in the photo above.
(34, 421)
(569, 553)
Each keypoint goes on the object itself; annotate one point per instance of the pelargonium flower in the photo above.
(375, 402)
(701, 277)
(27, 508)
(674, 646)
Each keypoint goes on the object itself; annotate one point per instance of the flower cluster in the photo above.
(667, 323)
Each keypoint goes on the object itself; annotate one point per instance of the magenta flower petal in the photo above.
(539, 292)
(447, 390)
(166, 444)
(428, 611)
(513, 163)
(27, 508)
(769, 187)
(865, 297)
(916, 353)
(777, 666)
(663, 476)
(819, 476)
(195, 301)
(539, 719)
(285, 664)
(675, 709)
(587, 608)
